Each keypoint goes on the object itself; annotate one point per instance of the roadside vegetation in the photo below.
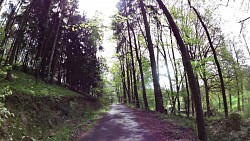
(40, 111)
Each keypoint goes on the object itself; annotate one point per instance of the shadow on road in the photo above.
(119, 125)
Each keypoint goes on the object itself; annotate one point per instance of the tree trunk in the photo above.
(219, 102)
(166, 63)
(230, 100)
(137, 103)
(123, 81)
(224, 97)
(128, 78)
(238, 91)
(132, 86)
(10, 60)
(176, 76)
(193, 110)
(191, 77)
(144, 94)
(207, 96)
(157, 89)
(242, 96)
(188, 97)
(50, 76)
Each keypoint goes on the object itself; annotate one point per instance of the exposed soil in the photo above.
(125, 124)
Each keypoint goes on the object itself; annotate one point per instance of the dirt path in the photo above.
(124, 124)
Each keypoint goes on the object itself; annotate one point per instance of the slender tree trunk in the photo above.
(238, 91)
(132, 85)
(39, 58)
(3, 48)
(128, 78)
(137, 50)
(25, 62)
(124, 81)
(188, 95)
(176, 77)
(166, 63)
(193, 110)
(242, 96)
(137, 103)
(230, 100)
(219, 102)
(207, 96)
(191, 77)
(224, 97)
(13, 52)
(157, 89)
(50, 76)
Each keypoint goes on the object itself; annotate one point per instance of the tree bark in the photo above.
(191, 77)
(137, 103)
(188, 95)
(123, 81)
(144, 94)
(224, 97)
(230, 100)
(207, 96)
(128, 78)
(50, 76)
(157, 89)
(164, 54)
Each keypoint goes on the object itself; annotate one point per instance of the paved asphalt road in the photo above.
(120, 124)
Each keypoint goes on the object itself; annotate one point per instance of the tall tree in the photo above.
(215, 59)
(191, 77)
(157, 89)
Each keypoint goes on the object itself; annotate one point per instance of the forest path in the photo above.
(122, 123)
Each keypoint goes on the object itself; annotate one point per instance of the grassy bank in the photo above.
(30, 111)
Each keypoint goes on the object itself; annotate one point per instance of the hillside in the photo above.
(43, 112)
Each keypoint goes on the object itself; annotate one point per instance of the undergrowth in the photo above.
(235, 128)
(43, 111)
(26, 84)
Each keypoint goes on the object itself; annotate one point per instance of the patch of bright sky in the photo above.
(231, 15)
(105, 9)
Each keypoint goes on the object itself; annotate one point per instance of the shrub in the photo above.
(4, 112)
(233, 122)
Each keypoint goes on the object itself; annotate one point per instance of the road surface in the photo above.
(119, 124)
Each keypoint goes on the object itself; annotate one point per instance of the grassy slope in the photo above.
(26, 84)
(45, 112)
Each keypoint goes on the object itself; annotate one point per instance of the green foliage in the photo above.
(67, 131)
(64, 133)
(1, 34)
(41, 110)
(233, 128)
(247, 110)
(26, 84)
(4, 112)
(146, 71)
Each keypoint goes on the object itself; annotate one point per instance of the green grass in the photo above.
(45, 122)
(69, 130)
(26, 84)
